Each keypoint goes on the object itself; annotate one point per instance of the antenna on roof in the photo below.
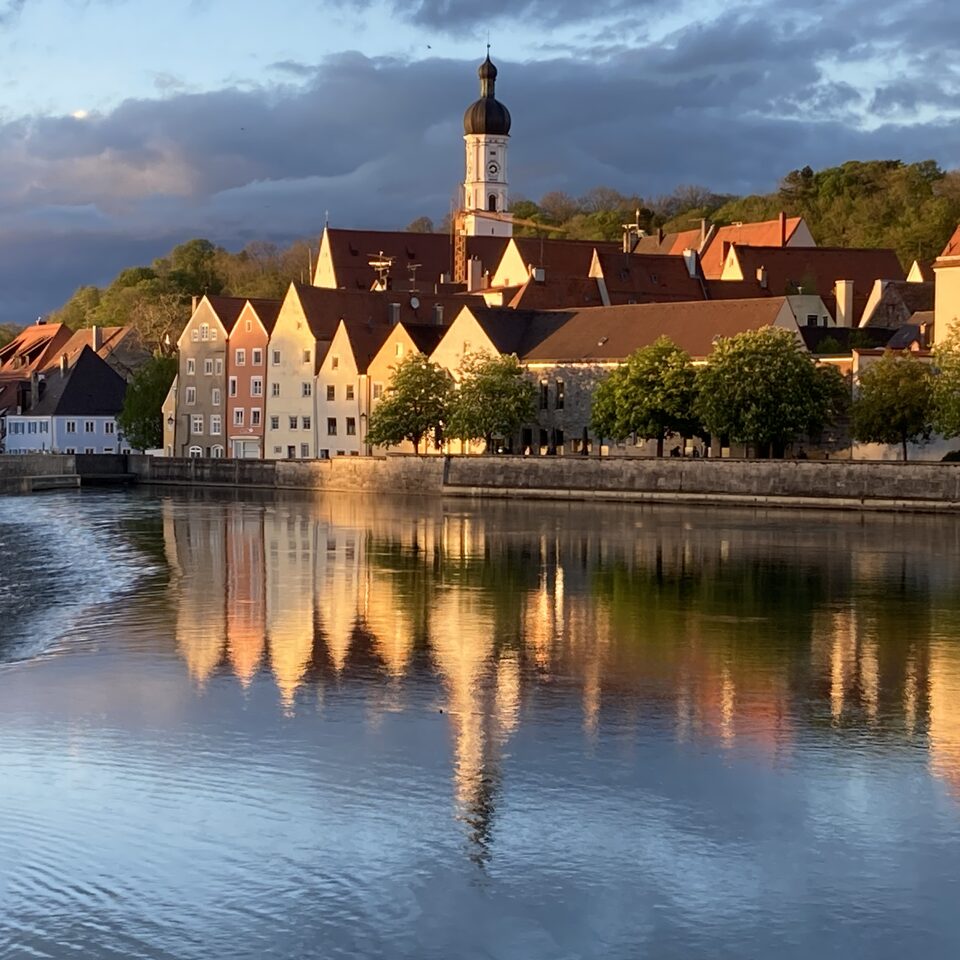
(381, 264)
(326, 218)
(310, 262)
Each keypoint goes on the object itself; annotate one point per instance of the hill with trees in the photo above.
(912, 208)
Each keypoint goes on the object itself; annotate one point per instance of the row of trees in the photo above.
(492, 399)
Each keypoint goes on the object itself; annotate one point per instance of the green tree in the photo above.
(653, 395)
(894, 403)
(494, 399)
(420, 225)
(7, 332)
(414, 405)
(946, 385)
(760, 387)
(605, 407)
(141, 419)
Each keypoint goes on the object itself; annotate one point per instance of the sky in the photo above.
(127, 127)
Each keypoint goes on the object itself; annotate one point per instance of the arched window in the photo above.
(216, 452)
(196, 452)
(492, 203)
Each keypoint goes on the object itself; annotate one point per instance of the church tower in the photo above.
(486, 131)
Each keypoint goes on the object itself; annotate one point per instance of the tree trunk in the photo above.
(660, 445)
(904, 443)
(416, 447)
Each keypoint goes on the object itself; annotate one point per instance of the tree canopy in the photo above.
(759, 387)
(141, 419)
(946, 385)
(414, 405)
(651, 395)
(894, 403)
(494, 399)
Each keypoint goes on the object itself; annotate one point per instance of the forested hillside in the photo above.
(912, 208)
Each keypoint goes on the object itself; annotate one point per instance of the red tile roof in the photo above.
(766, 233)
(817, 269)
(952, 249)
(648, 278)
(562, 258)
(33, 349)
(556, 293)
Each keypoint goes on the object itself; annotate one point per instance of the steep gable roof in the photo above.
(227, 309)
(33, 348)
(516, 331)
(613, 333)
(89, 388)
(266, 311)
(556, 293)
(351, 251)
(952, 249)
(561, 258)
(789, 268)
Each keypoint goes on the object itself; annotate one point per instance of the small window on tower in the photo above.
(492, 203)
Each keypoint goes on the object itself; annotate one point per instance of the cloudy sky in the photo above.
(126, 127)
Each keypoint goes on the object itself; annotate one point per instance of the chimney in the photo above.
(703, 231)
(762, 277)
(660, 236)
(34, 389)
(783, 229)
(474, 275)
(394, 314)
(63, 365)
(96, 338)
(194, 300)
(539, 275)
(438, 314)
(844, 291)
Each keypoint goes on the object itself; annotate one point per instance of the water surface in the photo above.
(344, 727)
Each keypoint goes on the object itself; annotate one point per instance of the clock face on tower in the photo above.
(493, 168)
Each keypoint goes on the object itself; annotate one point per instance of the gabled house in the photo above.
(526, 257)
(75, 411)
(201, 377)
(892, 303)
(624, 278)
(247, 382)
(402, 340)
(784, 232)
(946, 308)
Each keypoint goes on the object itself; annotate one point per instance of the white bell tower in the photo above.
(486, 128)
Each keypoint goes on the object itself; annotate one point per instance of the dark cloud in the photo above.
(732, 102)
(10, 10)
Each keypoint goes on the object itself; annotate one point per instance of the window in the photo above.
(274, 423)
(256, 386)
(216, 424)
(216, 452)
(274, 389)
(71, 450)
(334, 363)
(32, 426)
(213, 333)
(813, 319)
(89, 450)
(109, 427)
(71, 426)
(218, 365)
(255, 416)
(349, 391)
(293, 423)
(191, 394)
(238, 417)
(108, 449)
(257, 357)
(304, 450)
(331, 426)
(196, 423)
(215, 397)
(232, 387)
(208, 367)
(351, 427)
(191, 366)
(306, 389)
(278, 450)
(240, 356)
(195, 335)
(204, 331)
(377, 391)
(196, 452)
(331, 392)
(276, 358)
(306, 356)
(398, 349)
(89, 426)
(45, 427)
(558, 386)
(544, 394)
(306, 423)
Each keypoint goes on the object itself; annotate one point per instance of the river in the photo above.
(276, 727)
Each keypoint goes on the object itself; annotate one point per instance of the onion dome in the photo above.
(487, 115)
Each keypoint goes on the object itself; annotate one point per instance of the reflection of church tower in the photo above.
(486, 128)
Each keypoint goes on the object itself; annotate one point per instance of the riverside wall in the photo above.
(18, 470)
(836, 484)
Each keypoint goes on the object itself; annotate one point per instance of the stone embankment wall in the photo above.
(791, 483)
(16, 470)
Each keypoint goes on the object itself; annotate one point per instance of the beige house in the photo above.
(946, 306)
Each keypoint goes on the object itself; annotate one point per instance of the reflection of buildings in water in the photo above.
(290, 567)
(944, 707)
(198, 542)
(246, 591)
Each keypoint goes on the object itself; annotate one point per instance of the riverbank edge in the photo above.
(879, 486)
